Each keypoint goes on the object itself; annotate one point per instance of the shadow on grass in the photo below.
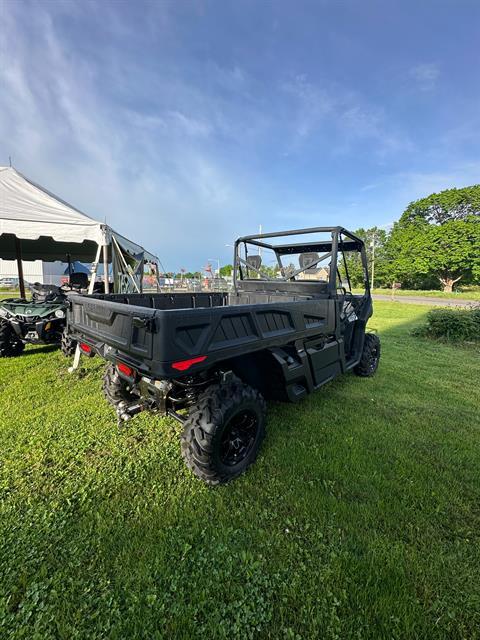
(33, 350)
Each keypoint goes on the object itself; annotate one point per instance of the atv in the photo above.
(41, 320)
(208, 359)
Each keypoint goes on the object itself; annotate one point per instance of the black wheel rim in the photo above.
(373, 359)
(238, 438)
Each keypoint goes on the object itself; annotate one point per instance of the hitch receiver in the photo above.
(126, 411)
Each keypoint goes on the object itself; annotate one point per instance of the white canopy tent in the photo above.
(35, 224)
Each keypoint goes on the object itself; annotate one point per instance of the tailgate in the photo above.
(125, 327)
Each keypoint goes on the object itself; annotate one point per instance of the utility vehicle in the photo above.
(291, 324)
(41, 320)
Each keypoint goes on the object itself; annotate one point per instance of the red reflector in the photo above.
(126, 370)
(183, 365)
(85, 348)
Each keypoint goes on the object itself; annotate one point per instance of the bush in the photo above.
(452, 324)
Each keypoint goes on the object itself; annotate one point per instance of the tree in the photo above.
(439, 236)
(226, 271)
(373, 236)
(270, 272)
(438, 208)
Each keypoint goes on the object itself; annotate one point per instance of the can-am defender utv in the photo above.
(210, 359)
(41, 320)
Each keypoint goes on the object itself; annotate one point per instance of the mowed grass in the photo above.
(360, 519)
(466, 293)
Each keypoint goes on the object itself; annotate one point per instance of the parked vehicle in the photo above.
(210, 359)
(41, 320)
(8, 283)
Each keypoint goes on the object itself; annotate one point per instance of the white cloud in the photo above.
(313, 104)
(425, 75)
(322, 112)
(153, 176)
(370, 186)
(418, 184)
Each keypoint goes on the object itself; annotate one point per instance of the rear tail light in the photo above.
(125, 370)
(183, 365)
(86, 348)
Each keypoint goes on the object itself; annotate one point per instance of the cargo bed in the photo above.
(154, 331)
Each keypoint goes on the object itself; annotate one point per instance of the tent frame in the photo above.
(21, 279)
(35, 224)
(102, 250)
(127, 268)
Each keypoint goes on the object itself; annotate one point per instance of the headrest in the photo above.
(79, 280)
(305, 259)
(254, 261)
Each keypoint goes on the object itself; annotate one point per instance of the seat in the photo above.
(304, 259)
(254, 261)
(79, 280)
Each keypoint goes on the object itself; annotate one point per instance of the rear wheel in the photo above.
(115, 388)
(368, 364)
(67, 344)
(10, 343)
(223, 432)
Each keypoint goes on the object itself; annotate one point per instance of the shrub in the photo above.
(452, 324)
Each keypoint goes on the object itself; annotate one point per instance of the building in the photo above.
(34, 271)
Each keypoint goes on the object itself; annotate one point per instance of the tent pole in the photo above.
(127, 268)
(76, 357)
(106, 283)
(21, 281)
(94, 271)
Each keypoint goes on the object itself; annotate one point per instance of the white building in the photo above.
(34, 271)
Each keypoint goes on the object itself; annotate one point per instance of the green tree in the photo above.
(270, 272)
(375, 240)
(226, 271)
(438, 236)
(448, 205)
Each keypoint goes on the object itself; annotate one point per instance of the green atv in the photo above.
(42, 320)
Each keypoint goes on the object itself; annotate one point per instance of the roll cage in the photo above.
(312, 253)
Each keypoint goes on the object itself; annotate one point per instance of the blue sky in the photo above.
(185, 124)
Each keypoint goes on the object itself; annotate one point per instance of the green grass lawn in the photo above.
(360, 519)
(7, 294)
(468, 293)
